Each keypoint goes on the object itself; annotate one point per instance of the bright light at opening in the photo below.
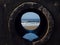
(30, 20)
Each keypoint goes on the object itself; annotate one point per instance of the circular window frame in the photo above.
(44, 11)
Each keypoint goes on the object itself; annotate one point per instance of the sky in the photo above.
(30, 15)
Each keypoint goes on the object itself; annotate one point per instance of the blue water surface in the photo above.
(30, 36)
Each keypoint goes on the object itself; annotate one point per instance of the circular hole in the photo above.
(30, 20)
(16, 25)
(38, 32)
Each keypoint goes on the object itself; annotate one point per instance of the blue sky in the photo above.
(30, 15)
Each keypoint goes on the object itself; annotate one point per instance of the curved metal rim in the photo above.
(48, 17)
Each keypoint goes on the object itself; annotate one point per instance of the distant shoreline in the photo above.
(31, 24)
(30, 20)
